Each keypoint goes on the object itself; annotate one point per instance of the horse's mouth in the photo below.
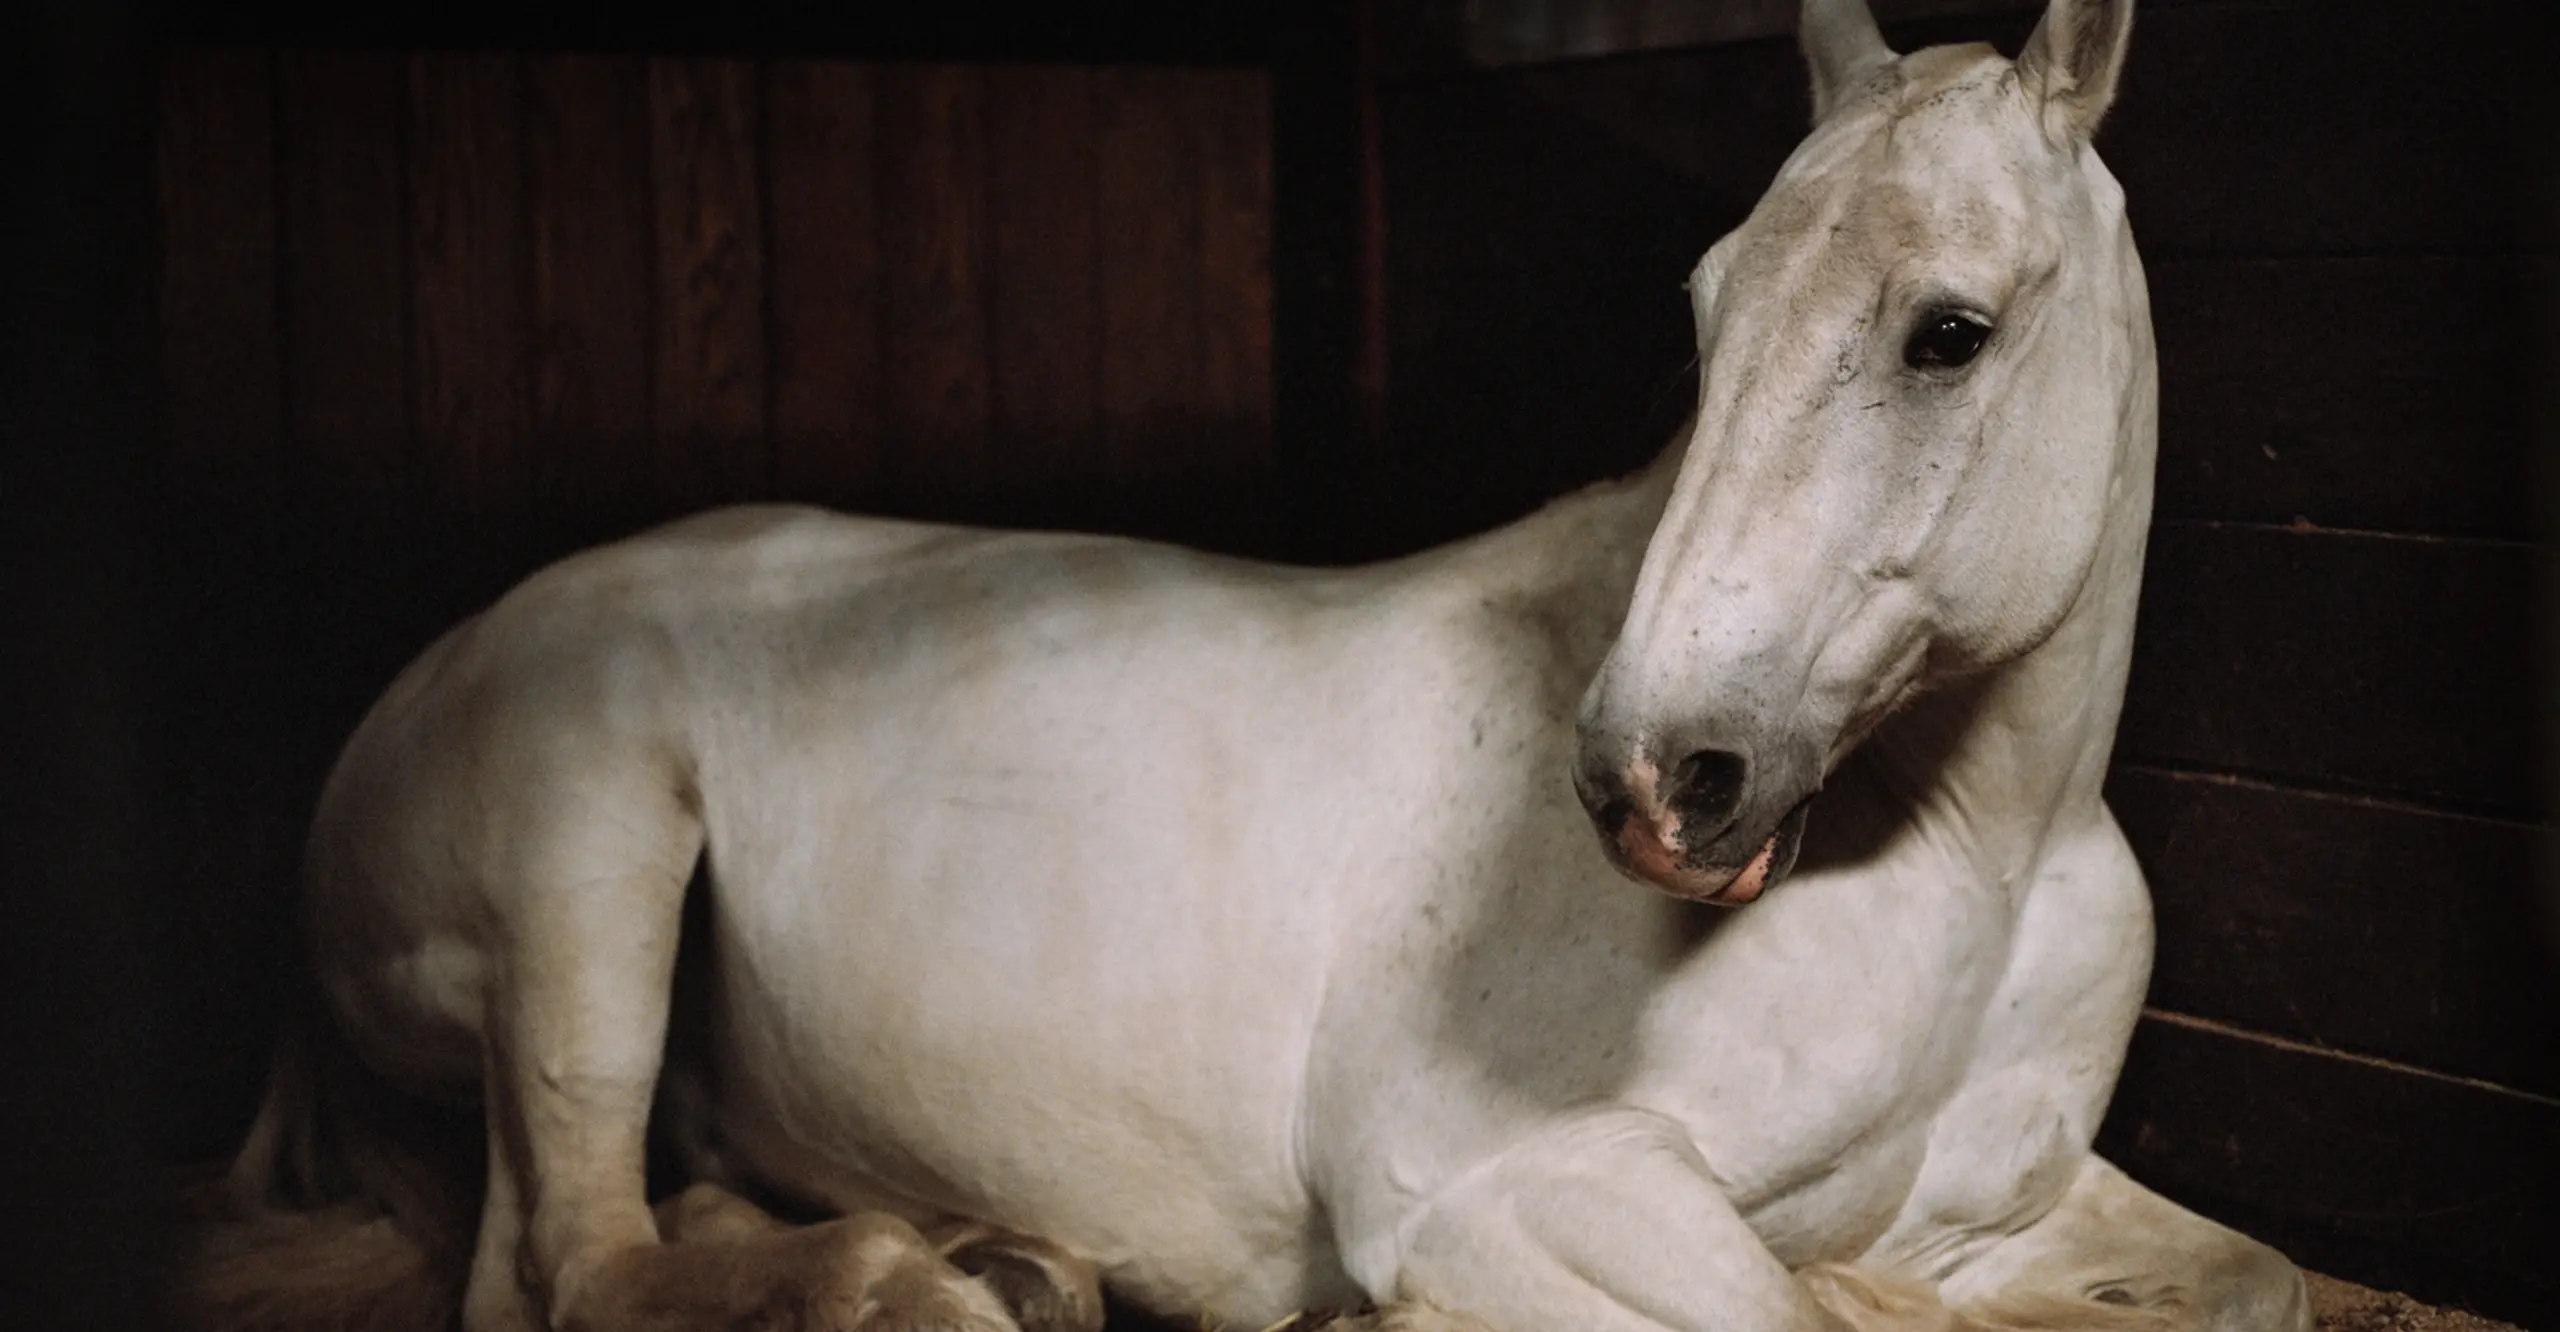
(1641, 850)
(1776, 857)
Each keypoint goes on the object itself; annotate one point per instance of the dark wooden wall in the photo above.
(426, 320)
(2328, 759)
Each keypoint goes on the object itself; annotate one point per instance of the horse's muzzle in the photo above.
(1681, 836)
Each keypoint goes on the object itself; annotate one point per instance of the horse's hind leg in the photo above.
(2121, 1255)
(588, 891)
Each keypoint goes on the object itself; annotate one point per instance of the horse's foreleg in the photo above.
(1608, 1222)
(588, 891)
(2121, 1255)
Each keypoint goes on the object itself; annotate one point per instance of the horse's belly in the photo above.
(930, 1075)
(1066, 985)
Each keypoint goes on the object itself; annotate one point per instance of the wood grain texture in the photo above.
(1322, 461)
(471, 355)
(2398, 666)
(2367, 926)
(211, 799)
(933, 239)
(594, 307)
(2257, 128)
(2445, 1189)
(344, 183)
(221, 372)
(1150, 282)
(1044, 296)
(824, 283)
(1538, 337)
(709, 394)
(2230, 118)
(1234, 125)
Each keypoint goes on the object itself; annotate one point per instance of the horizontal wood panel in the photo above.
(2268, 127)
(2380, 929)
(2381, 393)
(2230, 120)
(2390, 665)
(2447, 1190)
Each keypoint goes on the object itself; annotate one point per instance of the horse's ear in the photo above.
(1841, 47)
(2071, 62)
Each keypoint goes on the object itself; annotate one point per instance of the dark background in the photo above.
(322, 332)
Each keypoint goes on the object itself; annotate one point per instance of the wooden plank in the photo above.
(221, 368)
(824, 284)
(2265, 897)
(2445, 1189)
(1316, 187)
(1722, 120)
(2231, 116)
(2387, 665)
(933, 225)
(2235, 117)
(346, 297)
(709, 390)
(2382, 393)
(1150, 288)
(587, 183)
(218, 800)
(470, 356)
(1538, 335)
(1044, 295)
(1234, 123)
(221, 800)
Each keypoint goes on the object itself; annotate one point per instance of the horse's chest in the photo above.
(1811, 1055)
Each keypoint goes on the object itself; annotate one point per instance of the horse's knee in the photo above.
(707, 1212)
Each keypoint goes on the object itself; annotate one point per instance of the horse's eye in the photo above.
(1945, 340)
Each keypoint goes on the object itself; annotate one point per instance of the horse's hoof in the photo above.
(1044, 1287)
(930, 1296)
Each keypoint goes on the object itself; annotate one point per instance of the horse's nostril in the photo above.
(1707, 787)
(1613, 814)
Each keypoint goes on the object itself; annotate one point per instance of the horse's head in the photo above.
(1916, 361)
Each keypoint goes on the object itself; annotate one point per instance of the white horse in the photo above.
(1240, 931)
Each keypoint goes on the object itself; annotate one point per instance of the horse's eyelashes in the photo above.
(1945, 340)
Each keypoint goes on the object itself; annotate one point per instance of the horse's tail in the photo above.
(351, 1208)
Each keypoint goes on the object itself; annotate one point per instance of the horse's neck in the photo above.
(1994, 769)
(1577, 556)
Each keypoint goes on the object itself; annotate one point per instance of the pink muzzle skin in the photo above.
(1645, 849)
